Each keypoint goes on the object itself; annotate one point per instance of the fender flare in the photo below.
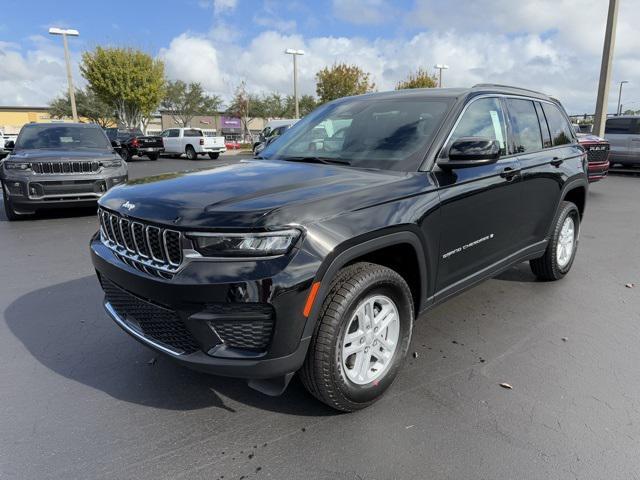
(569, 185)
(329, 269)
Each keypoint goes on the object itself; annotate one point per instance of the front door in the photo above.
(480, 206)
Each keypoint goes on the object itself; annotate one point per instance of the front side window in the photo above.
(174, 132)
(387, 134)
(482, 118)
(525, 125)
(561, 131)
(43, 136)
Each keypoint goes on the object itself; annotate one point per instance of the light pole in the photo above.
(619, 110)
(295, 53)
(600, 117)
(74, 33)
(440, 67)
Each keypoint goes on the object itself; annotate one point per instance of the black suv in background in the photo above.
(132, 142)
(54, 165)
(318, 257)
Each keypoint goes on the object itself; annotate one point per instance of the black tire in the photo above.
(322, 373)
(191, 153)
(153, 156)
(547, 268)
(214, 156)
(126, 154)
(9, 212)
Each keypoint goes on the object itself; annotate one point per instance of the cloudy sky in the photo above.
(548, 45)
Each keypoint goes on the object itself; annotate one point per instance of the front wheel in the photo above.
(361, 337)
(561, 250)
(214, 156)
(153, 156)
(126, 154)
(9, 212)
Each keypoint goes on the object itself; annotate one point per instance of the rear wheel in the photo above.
(126, 154)
(561, 250)
(361, 338)
(214, 156)
(153, 156)
(191, 153)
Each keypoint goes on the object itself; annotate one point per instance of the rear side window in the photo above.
(619, 125)
(544, 128)
(192, 132)
(525, 124)
(483, 118)
(561, 131)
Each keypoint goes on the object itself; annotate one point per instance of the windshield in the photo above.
(389, 134)
(67, 137)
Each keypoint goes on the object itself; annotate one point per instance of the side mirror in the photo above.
(471, 152)
(9, 145)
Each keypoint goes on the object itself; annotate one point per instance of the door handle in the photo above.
(510, 173)
(557, 161)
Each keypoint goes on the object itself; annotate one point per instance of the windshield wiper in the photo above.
(325, 160)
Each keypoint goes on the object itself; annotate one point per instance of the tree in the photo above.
(306, 104)
(184, 101)
(342, 80)
(245, 106)
(420, 79)
(88, 104)
(128, 80)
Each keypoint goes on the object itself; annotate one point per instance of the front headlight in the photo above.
(260, 244)
(111, 163)
(23, 166)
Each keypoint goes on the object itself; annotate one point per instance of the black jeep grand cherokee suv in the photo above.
(318, 256)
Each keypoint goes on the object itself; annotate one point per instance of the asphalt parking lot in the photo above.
(81, 399)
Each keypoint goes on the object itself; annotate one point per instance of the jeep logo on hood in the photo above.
(128, 205)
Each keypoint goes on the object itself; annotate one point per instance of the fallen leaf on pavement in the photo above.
(507, 386)
(152, 361)
(629, 285)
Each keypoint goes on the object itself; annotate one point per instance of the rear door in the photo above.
(540, 162)
(480, 206)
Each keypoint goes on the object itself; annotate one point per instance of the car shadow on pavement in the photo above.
(65, 328)
(520, 273)
(53, 213)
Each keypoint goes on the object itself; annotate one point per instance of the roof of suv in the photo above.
(458, 92)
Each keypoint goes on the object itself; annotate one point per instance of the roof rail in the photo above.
(477, 85)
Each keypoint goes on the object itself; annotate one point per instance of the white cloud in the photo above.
(34, 76)
(221, 6)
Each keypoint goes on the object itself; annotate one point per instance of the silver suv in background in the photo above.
(623, 133)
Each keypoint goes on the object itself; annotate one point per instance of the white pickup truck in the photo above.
(192, 142)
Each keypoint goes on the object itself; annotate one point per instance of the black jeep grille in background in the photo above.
(65, 167)
(158, 324)
(151, 249)
(597, 153)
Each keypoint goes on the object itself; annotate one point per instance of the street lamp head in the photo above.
(441, 66)
(64, 31)
(624, 81)
(292, 51)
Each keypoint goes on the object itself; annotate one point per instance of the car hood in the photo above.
(54, 155)
(258, 194)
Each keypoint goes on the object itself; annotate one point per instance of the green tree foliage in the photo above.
(246, 106)
(184, 101)
(88, 104)
(128, 80)
(274, 105)
(342, 80)
(419, 79)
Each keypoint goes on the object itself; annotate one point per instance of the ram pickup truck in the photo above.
(192, 142)
(132, 142)
(319, 257)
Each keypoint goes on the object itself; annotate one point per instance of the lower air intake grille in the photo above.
(247, 326)
(158, 324)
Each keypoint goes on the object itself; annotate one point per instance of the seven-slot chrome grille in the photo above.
(154, 250)
(69, 167)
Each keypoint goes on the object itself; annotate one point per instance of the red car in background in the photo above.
(232, 144)
(597, 154)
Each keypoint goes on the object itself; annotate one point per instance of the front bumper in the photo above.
(28, 193)
(211, 316)
(597, 171)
